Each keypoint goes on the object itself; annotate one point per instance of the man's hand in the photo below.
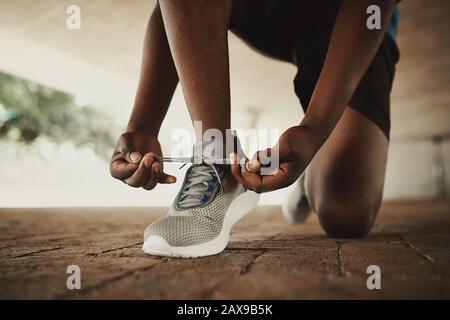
(134, 163)
(295, 148)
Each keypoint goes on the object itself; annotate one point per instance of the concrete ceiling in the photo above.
(101, 62)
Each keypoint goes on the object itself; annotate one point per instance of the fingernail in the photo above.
(135, 156)
(172, 179)
(253, 165)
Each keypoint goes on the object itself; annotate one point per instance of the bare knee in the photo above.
(347, 219)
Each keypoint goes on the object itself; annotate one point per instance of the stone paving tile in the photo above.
(266, 258)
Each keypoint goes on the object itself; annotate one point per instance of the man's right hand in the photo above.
(134, 162)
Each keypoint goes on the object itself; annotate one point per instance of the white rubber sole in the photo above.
(240, 206)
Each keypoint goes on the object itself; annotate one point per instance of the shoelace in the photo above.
(199, 185)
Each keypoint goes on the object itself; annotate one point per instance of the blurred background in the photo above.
(65, 95)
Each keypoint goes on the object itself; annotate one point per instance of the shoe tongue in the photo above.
(206, 151)
(205, 174)
(215, 150)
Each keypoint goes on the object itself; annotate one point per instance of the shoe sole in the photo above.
(294, 215)
(240, 206)
(288, 215)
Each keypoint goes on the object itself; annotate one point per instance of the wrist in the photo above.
(142, 128)
(317, 131)
(312, 136)
(145, 119)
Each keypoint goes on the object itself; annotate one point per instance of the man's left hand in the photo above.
(295, 151)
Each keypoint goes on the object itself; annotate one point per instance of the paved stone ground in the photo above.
(266, 257)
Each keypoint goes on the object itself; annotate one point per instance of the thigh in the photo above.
(346, 177)
(372, 95)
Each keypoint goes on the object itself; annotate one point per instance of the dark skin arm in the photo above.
(133, 160)
(351, 50)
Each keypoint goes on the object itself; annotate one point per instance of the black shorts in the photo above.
(299, 32)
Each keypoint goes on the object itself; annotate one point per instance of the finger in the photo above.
(155, 170)
(166, 178)
(249, 180)
(236, 169)
(274, 182)
(121, 169)
(148, 159)
(140, 176)
(134, 157)
(154, 176)
(252, 180)
(271, 183)
(269, 161)
(269, 171)
(253, 165)
(163, 177)
(264, 157)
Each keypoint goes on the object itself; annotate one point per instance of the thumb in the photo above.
(166, 178)
(253, 165)
(134, 156)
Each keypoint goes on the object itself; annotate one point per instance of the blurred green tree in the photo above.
(29, 110)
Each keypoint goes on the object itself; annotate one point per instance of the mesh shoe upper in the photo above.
(190, 221)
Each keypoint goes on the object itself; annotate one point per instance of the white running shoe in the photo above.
(199, 221)
(296, 208)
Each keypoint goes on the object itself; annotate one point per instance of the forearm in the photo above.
(351, 50)
(157, 82)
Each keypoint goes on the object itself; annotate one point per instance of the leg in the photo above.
(344, 182)
(197, 34)
(133, 159)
